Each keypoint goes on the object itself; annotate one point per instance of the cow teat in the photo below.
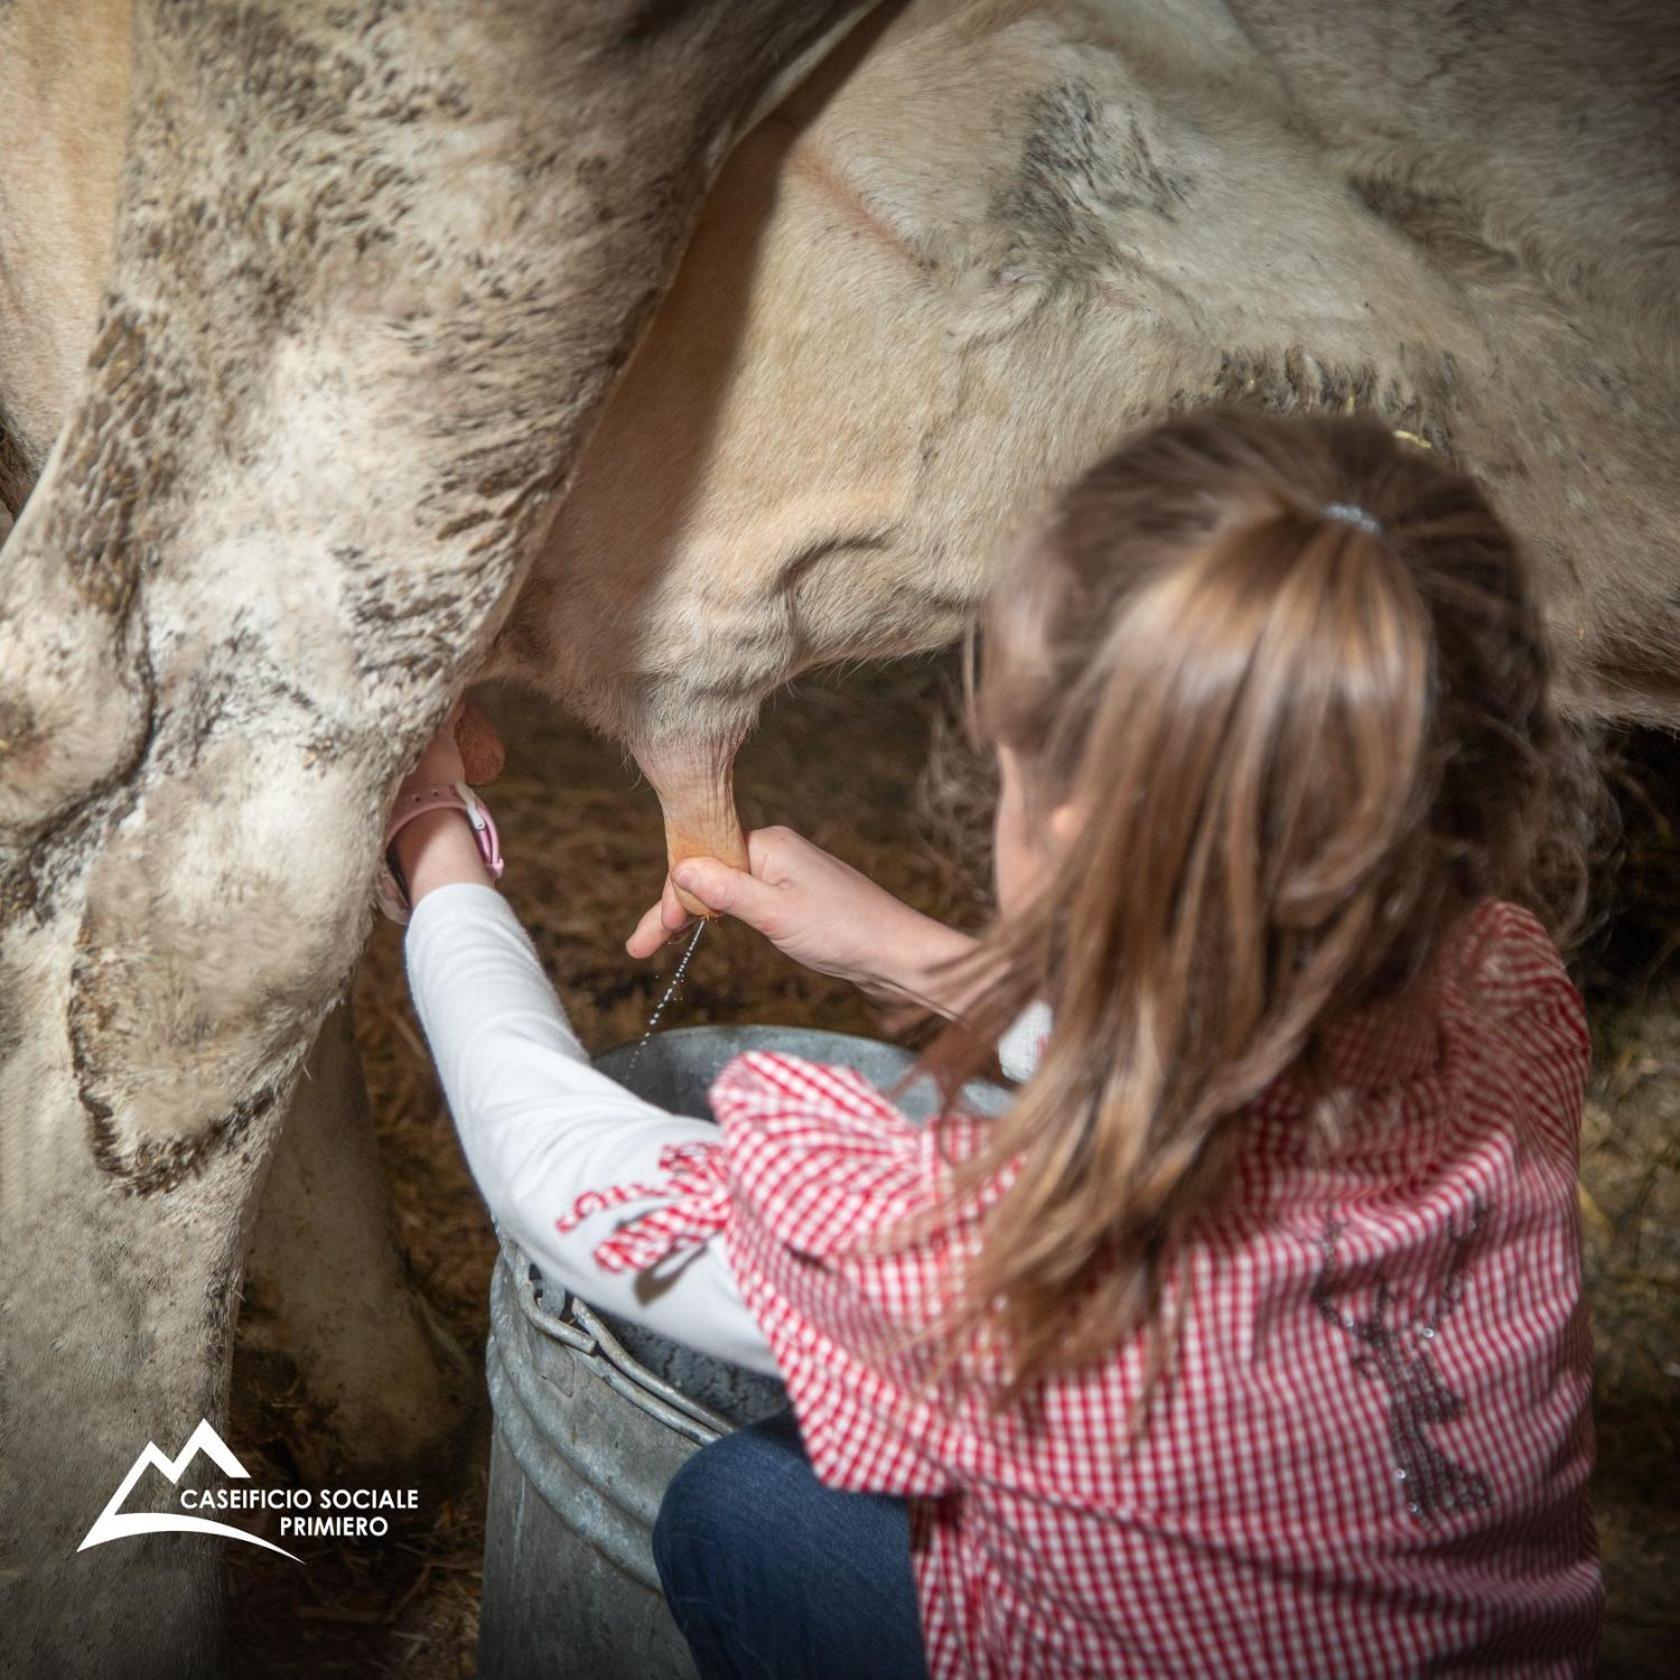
(695, 781)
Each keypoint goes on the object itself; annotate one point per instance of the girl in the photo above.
(1250, 1341)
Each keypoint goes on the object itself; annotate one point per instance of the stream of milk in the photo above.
(670, 992)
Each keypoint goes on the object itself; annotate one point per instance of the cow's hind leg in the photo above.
(330, 1302)
(375, 269)
(116, 1314)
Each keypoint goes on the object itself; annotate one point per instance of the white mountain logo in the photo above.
(117, 1524)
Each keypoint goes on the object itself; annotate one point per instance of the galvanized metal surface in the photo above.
(594, 1416)
(675, 1069)
(577, 1472)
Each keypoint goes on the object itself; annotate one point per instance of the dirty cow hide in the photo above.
(371, 271)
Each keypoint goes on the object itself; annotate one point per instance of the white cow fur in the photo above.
(944, 278)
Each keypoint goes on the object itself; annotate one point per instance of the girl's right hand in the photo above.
(813, 908)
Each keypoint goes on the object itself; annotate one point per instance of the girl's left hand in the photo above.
(466, 748)
(436, 848)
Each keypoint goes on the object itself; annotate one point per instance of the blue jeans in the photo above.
(772, 1576)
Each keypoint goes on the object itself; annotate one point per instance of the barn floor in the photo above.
(843, 759)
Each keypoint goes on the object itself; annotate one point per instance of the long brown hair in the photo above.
(1290, 676)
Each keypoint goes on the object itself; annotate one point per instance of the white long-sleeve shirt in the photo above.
(539, 1126)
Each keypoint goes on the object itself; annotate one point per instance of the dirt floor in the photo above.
(845, 760)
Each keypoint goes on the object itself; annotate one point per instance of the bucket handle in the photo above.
(585, 1333)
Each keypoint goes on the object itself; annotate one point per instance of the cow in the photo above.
(334, 372)
(1039, 226)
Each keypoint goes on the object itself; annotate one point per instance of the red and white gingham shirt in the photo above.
(1373, 1455)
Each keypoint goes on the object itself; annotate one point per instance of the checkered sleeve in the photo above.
(823, 1174)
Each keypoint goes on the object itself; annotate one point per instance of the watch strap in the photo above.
(416, 802)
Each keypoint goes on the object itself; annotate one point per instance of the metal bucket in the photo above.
(594, 1416)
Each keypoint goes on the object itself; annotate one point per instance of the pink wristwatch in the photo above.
(441, 796)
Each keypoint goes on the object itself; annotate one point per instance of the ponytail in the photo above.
(1242, 706)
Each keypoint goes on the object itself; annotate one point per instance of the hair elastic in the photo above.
(1350, 513)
